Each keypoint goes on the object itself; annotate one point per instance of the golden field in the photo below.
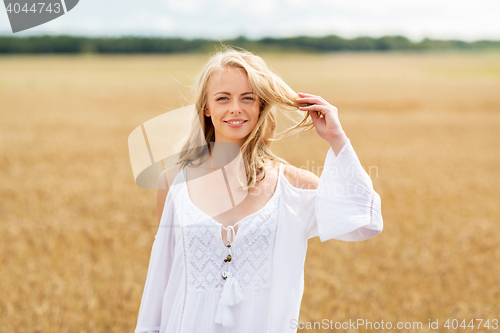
(76, 231)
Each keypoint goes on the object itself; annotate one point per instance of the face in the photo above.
(232, 105)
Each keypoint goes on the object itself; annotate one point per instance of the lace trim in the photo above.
(204, 252)
(252, 246)
(371, 208)
(251, 250)
(272, 267)
(185, 285)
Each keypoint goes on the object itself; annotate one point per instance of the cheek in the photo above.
(215, 112)
(257, 114)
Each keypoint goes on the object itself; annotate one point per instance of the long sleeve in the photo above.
(160, 265)
(346, 205)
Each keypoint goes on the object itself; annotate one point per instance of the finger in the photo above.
(311, 100)
(309, 95)
(301, 97)
(314, 117)
(314, 107)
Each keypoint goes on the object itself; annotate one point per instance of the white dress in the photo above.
(185, 290)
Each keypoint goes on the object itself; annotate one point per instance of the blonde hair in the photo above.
(274, 94)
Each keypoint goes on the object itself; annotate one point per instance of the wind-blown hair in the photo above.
(274, 94)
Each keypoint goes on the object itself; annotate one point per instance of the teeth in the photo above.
(236, 122)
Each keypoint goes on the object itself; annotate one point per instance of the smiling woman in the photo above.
(237, 85)
(228, 89)
(233, 228)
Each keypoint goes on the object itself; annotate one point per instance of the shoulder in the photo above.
(167, 177)
(300, 178)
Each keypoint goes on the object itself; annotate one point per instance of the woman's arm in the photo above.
(161, 195)
(346, 206)
(341, 204)
(160, 262)
(166, 177)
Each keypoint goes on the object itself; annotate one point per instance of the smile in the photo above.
(236, 122)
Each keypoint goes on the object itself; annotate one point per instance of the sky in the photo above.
(222, 19)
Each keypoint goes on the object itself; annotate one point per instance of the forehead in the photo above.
(228, 76)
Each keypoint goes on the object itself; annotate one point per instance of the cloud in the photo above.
(184, 6)
(461, 19)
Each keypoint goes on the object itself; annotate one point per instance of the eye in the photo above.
(218, 99)
(250, 98)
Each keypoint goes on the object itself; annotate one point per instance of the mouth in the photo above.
(235, 122)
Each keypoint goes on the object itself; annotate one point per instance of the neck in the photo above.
(227, 155)
(223, 152)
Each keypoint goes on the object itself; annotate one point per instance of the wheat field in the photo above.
(76, 231)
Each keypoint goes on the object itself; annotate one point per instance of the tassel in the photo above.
(231, 293)
(224, 315)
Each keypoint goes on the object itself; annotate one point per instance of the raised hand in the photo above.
(325, 119)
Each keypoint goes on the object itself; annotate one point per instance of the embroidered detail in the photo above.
(268, 276)
(203, 272)
(185, 285)
(254, 249)
(250, 259)
(249, 262)
(371, 208)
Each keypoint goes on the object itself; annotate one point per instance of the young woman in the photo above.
(234, 223)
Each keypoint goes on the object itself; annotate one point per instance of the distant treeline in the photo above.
(331, 43)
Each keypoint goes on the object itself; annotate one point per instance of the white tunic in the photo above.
(183, 287)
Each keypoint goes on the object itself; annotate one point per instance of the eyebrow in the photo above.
(225, 92)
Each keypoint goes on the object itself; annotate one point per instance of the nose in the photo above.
(235, 107)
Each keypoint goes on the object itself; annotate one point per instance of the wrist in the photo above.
(338, 141)
(337, 136)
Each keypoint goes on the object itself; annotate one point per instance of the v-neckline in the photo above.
(273, 197)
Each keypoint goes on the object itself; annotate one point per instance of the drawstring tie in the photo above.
(231, 292)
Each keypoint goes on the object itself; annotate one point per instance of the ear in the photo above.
(206, 112)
